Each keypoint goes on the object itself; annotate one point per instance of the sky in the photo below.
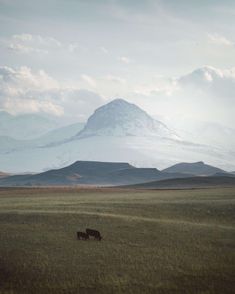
(65, 58)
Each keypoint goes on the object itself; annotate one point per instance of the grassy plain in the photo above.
(170, 241)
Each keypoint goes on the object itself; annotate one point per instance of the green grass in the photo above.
(153, 241)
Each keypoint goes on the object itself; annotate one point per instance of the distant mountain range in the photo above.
(9, 144)
(116, 132)
(25, 126)
(116, 174)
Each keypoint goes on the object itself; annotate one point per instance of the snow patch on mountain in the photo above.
(121, 118)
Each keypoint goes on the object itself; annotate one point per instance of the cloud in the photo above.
(207, 80)
(20, 91)
(205, 94)
(160, 86)
(104, 50)
(219, 40)
(38, 39)
(124, 59)
(25, 91)
(73, 47)
(211, 81)
(28, 43)
(89, 80)
(25, 49)
(80, 103)
(114, 79)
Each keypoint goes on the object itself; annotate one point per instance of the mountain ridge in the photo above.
(140, 142)
(89, 172)
(93, 173)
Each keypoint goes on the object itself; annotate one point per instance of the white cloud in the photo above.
(159, 86)
(25, 91)
(206, 94)
(219, 40)
(37, 40)
(15, 105)
(207, 80)
(114, 79)
(211, 81)
(28, 43)
(89, 80)
(124, 59)
(72, 47)
(19, 91)
(104, 50)
(25, 49)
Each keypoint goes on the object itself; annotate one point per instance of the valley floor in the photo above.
(169, 241)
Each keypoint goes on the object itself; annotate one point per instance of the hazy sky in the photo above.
(176, 59)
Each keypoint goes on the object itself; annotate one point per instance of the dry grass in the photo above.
(154, 241)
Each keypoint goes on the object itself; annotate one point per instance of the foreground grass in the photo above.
(154, 241)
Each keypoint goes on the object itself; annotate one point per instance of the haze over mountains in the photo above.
(117, 132)
(25, 126)
(9, 144)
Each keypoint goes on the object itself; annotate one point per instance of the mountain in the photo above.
(195, 168)
(8, 144)
(121, 118)
(110, 136)
(25, 126)
(187, 183)
(90, 173)
(3, 175)
(80, 172)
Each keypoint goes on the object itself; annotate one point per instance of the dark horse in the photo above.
(82, 236)
(94, 233)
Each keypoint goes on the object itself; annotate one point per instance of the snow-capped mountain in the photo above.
(121, 118)
(117, 132)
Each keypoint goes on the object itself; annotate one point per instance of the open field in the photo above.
(169, 241)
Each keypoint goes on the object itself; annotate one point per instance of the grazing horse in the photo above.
(94, 233)
(82, 236)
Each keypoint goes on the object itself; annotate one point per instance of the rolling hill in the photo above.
(4, 175)
(195, 168)
(188, 183)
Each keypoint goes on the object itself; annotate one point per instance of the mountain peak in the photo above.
(121, 118)
(119, 101)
